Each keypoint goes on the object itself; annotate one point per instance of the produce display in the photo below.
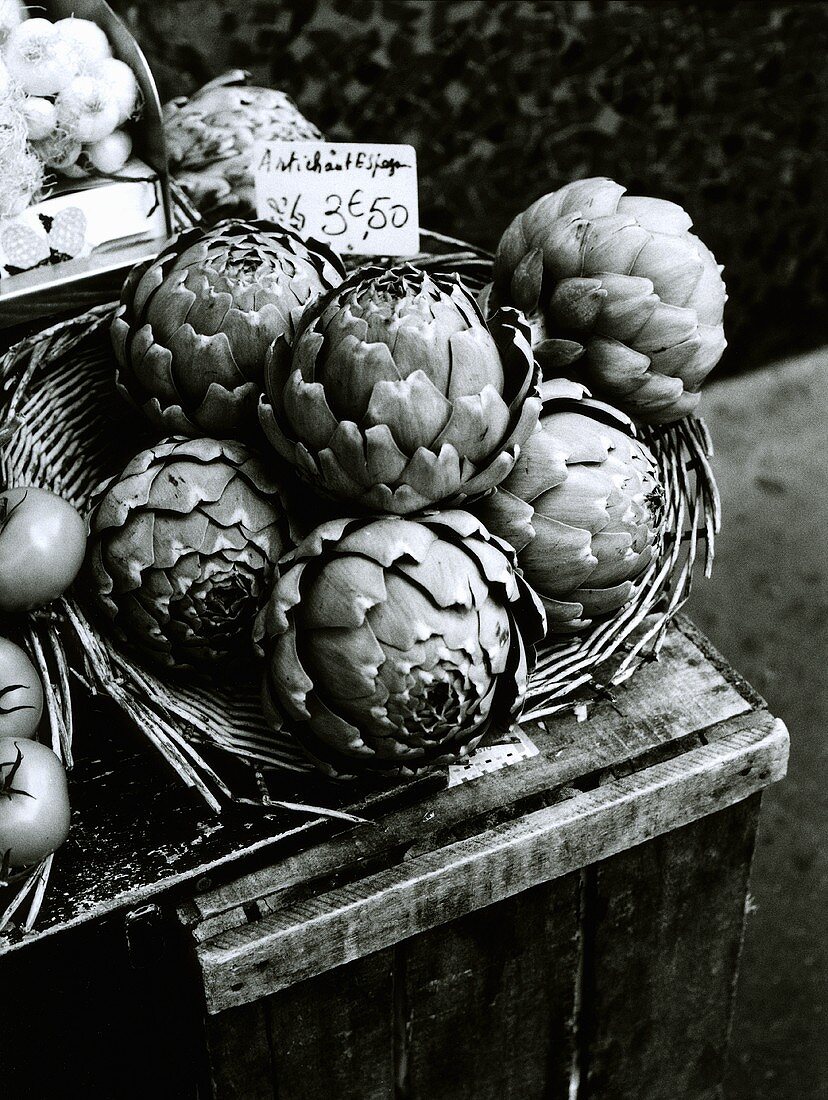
(195, 324)
(368, 503)
(65, 104)
(621, 294)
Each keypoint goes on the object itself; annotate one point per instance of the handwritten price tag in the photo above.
(357, 198)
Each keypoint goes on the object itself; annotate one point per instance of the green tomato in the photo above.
(34, 803)
(21, 692)
(42, 543)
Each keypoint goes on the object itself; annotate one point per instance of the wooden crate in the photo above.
(565, 927)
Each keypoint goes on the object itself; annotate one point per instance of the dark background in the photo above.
(720, 108)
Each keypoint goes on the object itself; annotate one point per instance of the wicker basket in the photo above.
(64, 426)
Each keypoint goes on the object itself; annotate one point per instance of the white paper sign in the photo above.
(356, 198)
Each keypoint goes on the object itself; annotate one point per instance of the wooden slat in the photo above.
(309, 937)
(331, 1036)
(682, 694)
(490, 1000)
(664, 927)
(241, 1066)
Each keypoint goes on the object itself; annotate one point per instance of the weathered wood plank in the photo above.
(331, 1036)
(311, 936)
(681, 694)
(663, 932)
(490, 1000)
(241, 1066)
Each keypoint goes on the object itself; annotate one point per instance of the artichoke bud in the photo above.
(393, 645)
(583, 507)
(643, 295)
(194, 324)
(211, 137)
(398, 395)
(182, 550)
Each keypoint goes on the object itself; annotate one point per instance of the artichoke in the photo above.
(182, 550)
(392, 645)
(398, 396)
(622, 295)
(194, 323)
(211, 137)
(583, 508)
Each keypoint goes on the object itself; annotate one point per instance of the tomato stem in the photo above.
(22, 706)
(6, 511)
(7, 789)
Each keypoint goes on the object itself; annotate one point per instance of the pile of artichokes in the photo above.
(379, 482)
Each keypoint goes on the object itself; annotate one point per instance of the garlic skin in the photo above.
(39, 59)
(111, 153)
(86, 109)
(121, 85)
(86, 38)
(40, 117)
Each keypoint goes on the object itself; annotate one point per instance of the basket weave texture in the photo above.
(65, 427)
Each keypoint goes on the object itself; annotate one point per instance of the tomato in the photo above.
(21, 692)
(34, 802)
(42, 543)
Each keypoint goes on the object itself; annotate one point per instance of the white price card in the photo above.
(357, 198)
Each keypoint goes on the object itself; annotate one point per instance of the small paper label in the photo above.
(356, 198)
(509, 749)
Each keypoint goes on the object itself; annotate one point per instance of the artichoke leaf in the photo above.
(350, 373)
(711, 345)
(171, 540)
(307, 410)
(665, 326)
(346, 661)
(223, 410)
(152, 369)
(183, 486)
(495, 639)
(581, 500)
(444, 573)
(656, 215)
(576, 303)
(527, 280)
(673, 265)
(413, 409)
(343, 593)
(612, 244)
(628, 305)
(508, 516)
(559, 558)
(434, 477)
(384, 460)
(613, 365)
(616, 558)
(475, 364)
(603, 601)
(476, 425)
(710, 294)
